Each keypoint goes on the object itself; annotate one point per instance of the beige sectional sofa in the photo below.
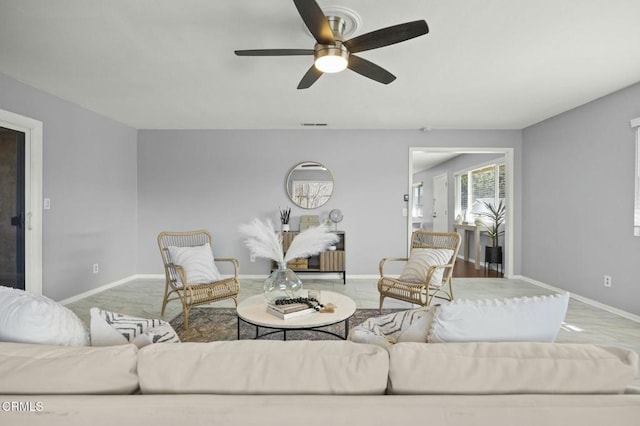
(318, 383)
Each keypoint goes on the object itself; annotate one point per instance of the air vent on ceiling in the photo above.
(313, 124)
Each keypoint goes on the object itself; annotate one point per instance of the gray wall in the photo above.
(90, 176)
(577, 216)
(219, 179)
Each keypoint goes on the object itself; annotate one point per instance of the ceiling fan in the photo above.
(333, 54)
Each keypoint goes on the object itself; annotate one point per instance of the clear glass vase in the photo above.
(283, 283)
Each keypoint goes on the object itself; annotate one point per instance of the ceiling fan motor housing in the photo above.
(337, 54)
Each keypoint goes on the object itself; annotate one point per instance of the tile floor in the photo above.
(584, 323)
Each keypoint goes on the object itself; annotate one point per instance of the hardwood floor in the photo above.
(464, 269)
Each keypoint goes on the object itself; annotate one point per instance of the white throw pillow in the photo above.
(197, 263)
(420, 260)
(27, 318)
(111, 329)
(531, 319)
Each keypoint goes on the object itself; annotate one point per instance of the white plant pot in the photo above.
(285, 227)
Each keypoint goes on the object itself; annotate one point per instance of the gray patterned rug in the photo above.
(212, 324)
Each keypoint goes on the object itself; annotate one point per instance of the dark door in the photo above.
(12, 206)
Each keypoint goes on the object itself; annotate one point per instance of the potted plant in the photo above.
(496, 215)
(285, 214)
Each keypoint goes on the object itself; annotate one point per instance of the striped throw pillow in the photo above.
(112, 328)
(420, 260)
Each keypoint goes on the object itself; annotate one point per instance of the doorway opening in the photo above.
(426, 164)
(12, 209)
(21, 224)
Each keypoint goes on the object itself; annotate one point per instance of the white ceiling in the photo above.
(170, 64)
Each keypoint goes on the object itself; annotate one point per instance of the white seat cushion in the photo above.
(420, 260)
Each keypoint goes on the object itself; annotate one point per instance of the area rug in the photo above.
(213, 324)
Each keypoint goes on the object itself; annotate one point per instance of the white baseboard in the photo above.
(161, 277)
(364, 277)
(98, 290)
(616, 311)
(148, 277)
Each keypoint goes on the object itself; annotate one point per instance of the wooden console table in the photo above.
(330, 261)
(467, 229)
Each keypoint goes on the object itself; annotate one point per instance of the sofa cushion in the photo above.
(509, 367)
(530, 319)
(263, 367)
(420, 260)
(44, 369)
(29, 318)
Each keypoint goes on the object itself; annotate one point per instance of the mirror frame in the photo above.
(288, 184)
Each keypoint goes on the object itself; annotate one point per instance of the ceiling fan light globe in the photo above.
(331, 64)
(331, 59)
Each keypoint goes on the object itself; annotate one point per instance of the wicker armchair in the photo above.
(195, 294)
(421, 293)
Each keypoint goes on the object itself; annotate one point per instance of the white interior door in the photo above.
(440, 204)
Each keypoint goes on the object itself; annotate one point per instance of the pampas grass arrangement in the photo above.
(264, 241)
(309, 242)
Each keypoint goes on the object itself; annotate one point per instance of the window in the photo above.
(479, 185)
(418, 199)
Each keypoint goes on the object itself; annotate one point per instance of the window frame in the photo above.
(468, 216)
(418, 200)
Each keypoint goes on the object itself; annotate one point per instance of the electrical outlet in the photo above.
(252, 257)
(607, 280)
(96, 268)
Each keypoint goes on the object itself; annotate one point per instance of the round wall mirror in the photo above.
(309, 185)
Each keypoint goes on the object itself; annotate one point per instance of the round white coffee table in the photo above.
(253, 311)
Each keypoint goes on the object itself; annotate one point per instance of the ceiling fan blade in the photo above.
(387, 36)
(274, 52)
(312, 75)
(370, 70)
(315, 20)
